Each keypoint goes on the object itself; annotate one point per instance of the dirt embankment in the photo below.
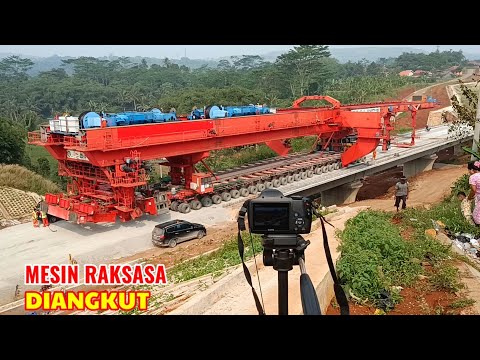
(427, 188)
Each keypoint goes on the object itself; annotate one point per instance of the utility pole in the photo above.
(476, 131)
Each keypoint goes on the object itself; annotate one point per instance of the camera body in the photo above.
(272, 213)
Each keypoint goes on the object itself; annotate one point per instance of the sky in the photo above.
(178, 51)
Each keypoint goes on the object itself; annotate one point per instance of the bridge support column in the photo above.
(417, 166)
(458, 151)
(341, 195)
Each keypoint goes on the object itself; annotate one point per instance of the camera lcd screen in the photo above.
(271, 217)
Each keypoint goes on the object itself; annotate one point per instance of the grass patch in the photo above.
(215, 262)
(18, 177)
(402, 130)
(35, 152)
(375, 257)
(446, 278)
(462, 303)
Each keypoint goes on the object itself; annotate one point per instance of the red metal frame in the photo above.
(95, 159)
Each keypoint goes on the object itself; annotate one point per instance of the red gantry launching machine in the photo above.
(108, 177)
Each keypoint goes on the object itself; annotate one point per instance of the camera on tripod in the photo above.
(281, 221)
(272, 213)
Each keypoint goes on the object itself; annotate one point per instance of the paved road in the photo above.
(95, 243)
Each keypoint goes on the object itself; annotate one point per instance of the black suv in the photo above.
(171, 233)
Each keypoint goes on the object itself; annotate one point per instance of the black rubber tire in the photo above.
(261, 187)
(290, 179)
(252, 189)
(244, 192)
(172, 243)
(235, 194)
(338, 165)
(206, 201)
(310, 173)
(200, 234)
(216, 199)
(174, 205)
(324, 168)
(318, 170)
(182, 208)
(276, 183)
(52, 219)
(303, 175)
(297, 177)
(226, 196)
(331, 167)
(283, 180)
(195, 205)
(268, 185)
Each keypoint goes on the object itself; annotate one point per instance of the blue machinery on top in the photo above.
(91, 119)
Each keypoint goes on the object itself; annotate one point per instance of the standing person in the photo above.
(474, 181)
(44, 218)
(401, 193)
(35, 218)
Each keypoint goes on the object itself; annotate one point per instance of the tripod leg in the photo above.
(283, 293)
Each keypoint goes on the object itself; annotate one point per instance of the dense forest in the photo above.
(121, 84)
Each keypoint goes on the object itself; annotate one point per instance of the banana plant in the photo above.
(471, 152)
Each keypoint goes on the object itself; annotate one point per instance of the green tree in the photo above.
(43, 167)
(15, 67)
(12, 142)
(304, 65)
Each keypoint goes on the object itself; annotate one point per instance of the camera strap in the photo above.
(241, 250)
(337, 288)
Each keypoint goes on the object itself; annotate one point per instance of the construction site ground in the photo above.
(428, 189)
(232, 294)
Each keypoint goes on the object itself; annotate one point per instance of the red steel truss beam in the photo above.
(105, 145)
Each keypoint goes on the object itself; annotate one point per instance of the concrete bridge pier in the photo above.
(341, 195)
(419, 165)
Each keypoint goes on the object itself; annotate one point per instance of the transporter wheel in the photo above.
(310, 173)
(226, 196)
(331, 167)
(235, 194)
(52, 219)
(325, 168)
(174, 205)
(252, 189)
(337, 165)
(216, 199)
(290, 179)
(261, 187)
(318, 170)
(244, 192)
(283, 180)
(276, 183)
(206, 201)
(268, 185)
(303, 175)
(297, 177)
(195, 205)
(172, 243)
(184, 208)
